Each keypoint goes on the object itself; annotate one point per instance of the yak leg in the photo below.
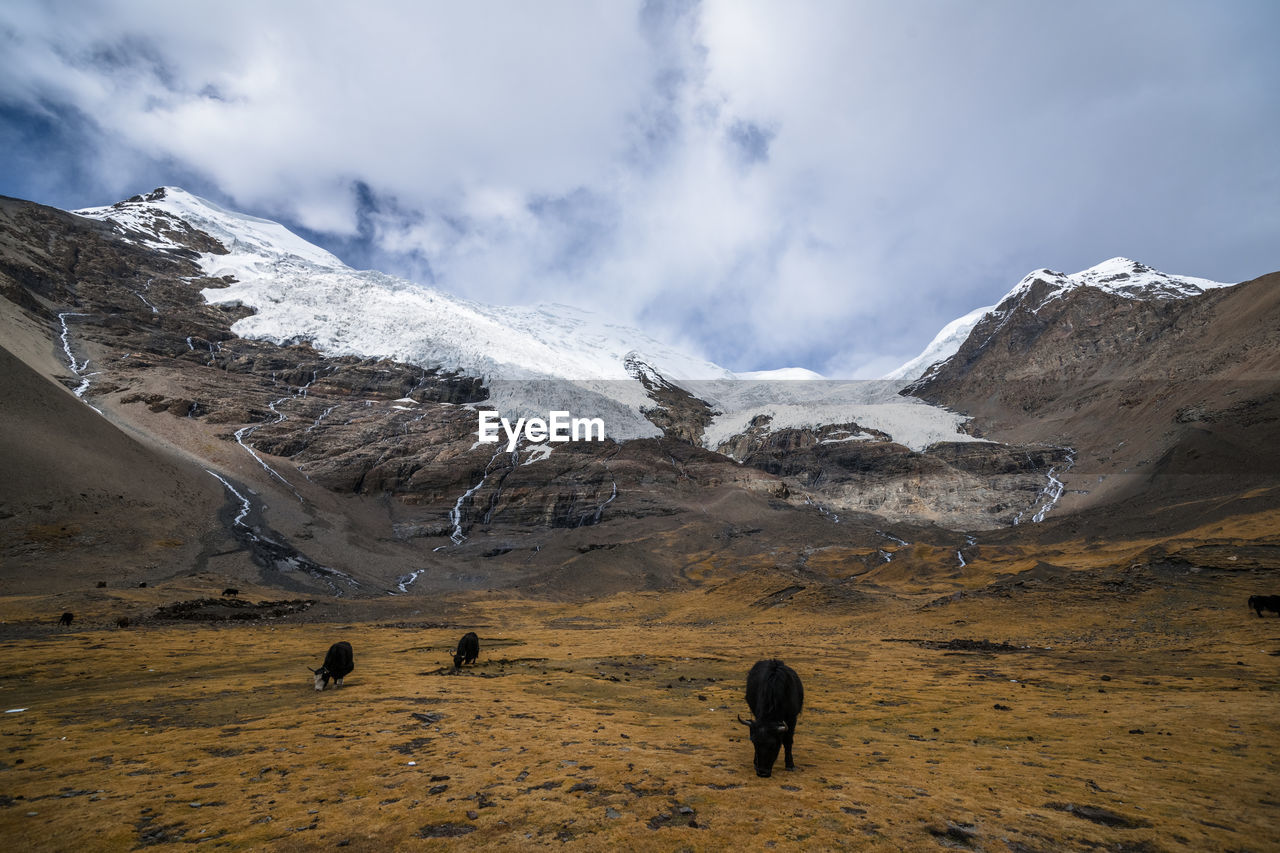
(786, 745)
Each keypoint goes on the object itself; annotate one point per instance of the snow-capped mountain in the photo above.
(300, 292)
(316, 443)
(1118, 276)
(328, 446)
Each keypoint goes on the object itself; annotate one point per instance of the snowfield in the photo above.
(1119, 276)
(872, 404)
(535, 359)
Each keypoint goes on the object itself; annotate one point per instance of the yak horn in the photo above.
(744, 722)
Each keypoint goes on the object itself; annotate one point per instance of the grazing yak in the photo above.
(338, 663)
(468, 650)
(65, 618)
(231, 592)
(1265, 602)
(775, 696)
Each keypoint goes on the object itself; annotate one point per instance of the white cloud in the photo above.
(824, 183)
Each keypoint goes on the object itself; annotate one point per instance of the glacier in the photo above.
(534, 358)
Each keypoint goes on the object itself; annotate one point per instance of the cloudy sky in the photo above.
(767, 184)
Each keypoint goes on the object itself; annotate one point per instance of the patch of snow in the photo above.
(872, 404)
(862, 436)
(944, 345)
(1119, 276)
(781, 373)
(537, 452)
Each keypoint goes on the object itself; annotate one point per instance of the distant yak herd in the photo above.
(774, 695)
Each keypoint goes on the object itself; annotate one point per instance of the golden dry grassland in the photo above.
(1124, 711)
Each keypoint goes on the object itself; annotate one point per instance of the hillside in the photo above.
(1031, 635)
(352, 473)
(1160, 399)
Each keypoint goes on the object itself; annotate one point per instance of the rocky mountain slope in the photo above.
(1161, 386)
(337, 412)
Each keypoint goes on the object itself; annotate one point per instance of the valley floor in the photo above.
(1137, 716)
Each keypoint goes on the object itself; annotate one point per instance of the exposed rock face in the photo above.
(970, 485)
(676, 412)
(359, 475)
(1125, 381)
(350, 468)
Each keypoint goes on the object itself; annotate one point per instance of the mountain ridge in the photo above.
(1119, 276)
(297, 292)
(362, 474)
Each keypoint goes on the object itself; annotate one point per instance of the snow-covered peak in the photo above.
(299, 292)
(1120, 276)
(788, 374)
(943, 346)
(154, 215)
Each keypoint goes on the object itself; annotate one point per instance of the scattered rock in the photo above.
(956, 835)
(1100, 815)
(444, 830)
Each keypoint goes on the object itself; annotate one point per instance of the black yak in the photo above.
(1265, 602)
(338, 663)
(468, 650)
(231, 592)
(775, 696)
(65, 618)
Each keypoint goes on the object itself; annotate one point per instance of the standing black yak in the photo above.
(338, 663)
(1265, 602)
(775, 696)
(468, 650)
(65, 618)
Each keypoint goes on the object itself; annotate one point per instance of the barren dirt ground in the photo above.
(1137, 714)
